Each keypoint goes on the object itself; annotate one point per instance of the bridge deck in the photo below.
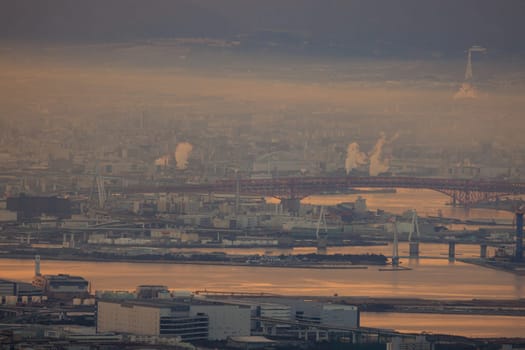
(462, 191)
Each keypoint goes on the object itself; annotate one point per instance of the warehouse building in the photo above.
(268, 311)
(14, 292)
(310, 311)
(195, 320)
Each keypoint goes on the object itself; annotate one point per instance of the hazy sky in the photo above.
(74, 71)
(356, 26)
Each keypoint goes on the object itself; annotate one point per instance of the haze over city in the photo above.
(275, 174)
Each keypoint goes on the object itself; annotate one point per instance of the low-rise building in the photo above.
(13, 292)
(337, 315)
(62, 286)
(195, 320)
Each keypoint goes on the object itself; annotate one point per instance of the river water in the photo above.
(465, 325)
(426, 202)
(435, 278)
(429, 278)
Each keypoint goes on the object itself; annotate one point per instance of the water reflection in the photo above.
(426, 202)
(429, 278)
(465, 325)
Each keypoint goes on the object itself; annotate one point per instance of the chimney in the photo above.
(37, 265)
(519, 234)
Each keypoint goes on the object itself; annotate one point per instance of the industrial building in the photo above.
(31, 207)
(13, 292)
(325, 314)
(61, 286)
(191, 320)
(268, 311)
(419, 343)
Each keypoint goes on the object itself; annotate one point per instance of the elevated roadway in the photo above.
(462, 191)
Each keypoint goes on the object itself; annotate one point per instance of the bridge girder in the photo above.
(464, 191)
(467, 197)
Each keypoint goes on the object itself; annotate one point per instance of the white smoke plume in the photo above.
(354, 157)
(378, 163)
(393, 138)
(182, 153)
(163, 161)
(466, 91)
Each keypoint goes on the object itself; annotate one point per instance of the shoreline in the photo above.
(481, 307)
(196, 262)
(499, 266)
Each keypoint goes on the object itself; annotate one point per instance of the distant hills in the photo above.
(357, 26)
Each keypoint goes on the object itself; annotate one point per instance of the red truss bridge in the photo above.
(462, 191)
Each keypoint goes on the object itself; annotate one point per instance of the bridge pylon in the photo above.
(414, 236)
(322, 237)
(395, 248)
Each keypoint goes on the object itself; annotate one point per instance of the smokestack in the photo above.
(519, 234)
(37, 265)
